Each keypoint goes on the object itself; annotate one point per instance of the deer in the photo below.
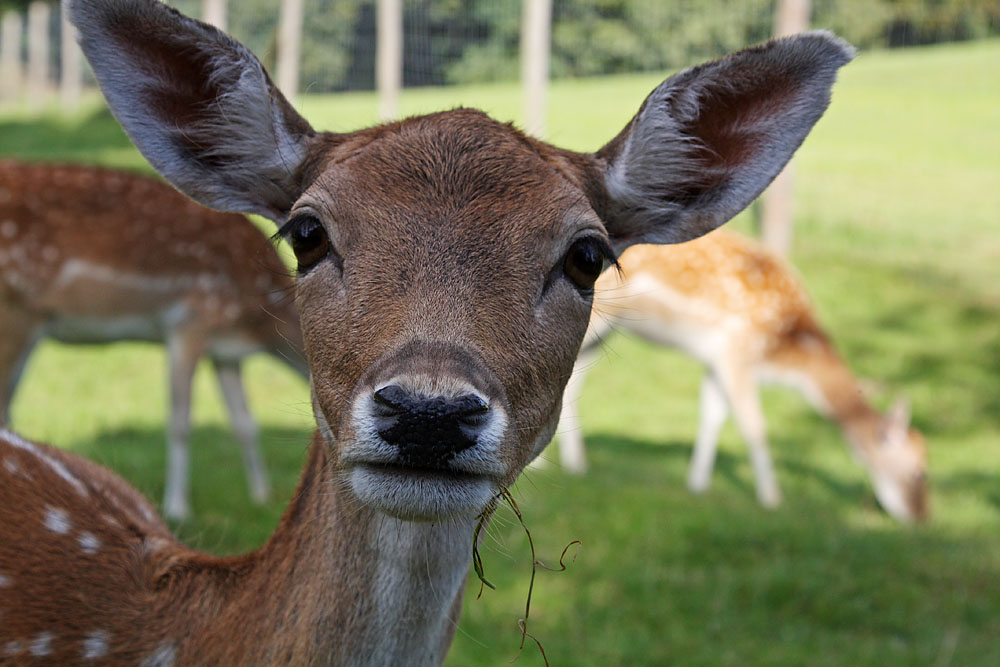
(95, 255)
(739, 309)
(445, 268)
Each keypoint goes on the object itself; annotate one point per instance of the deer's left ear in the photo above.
(197, 104)
(896, 422)
(709, 139)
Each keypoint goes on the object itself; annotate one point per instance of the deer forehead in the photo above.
(459, 175)
(447, 231)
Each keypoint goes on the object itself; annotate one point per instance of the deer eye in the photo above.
(309, 241)
(585, 260)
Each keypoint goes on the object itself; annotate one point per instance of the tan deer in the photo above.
(90, 255)
(445, 273)
(739, 309)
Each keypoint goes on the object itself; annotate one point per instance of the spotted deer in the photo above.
(445, 272)
(91, 255)
(739, 309)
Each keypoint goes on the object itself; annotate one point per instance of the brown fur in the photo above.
(133, 587)
(96, 255)
(725, 282)
(448, 237)
(448, 181)
(134, 225)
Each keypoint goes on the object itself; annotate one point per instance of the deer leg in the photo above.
(17, 339)
(712, 414)
(183, 352)
(572, 455)
(744, 401)
(231, 384)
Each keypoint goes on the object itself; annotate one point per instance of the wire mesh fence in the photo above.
(472, 41)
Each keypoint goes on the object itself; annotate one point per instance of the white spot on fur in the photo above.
(154, 544)
(13, 648)
(41, 645)
(52, 462)
(146, 513)
(76, 270)
(89, 543)
(163, 656)
(95, 645)
(4, 581)
(129, 512)
(57, 521)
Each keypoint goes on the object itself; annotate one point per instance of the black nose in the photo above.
(428, 430)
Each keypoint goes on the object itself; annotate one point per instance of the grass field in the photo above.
(898, 210)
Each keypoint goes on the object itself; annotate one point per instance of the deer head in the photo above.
(446, 262)
(898, 464)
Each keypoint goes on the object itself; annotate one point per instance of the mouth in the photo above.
(903, 504)
(420, 494)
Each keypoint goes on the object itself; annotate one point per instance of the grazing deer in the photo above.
(739, 309)
(90, 255)
(445, 272)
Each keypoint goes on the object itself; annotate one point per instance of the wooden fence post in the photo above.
(777, 204)
(214, 12)
(388, 57)
(536, 45)
(289, 48)
(71, 73)
(38, 53)
(11, 71)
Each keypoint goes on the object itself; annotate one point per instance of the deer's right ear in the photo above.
(197, 104)
(709, 139)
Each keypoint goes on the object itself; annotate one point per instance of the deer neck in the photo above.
(341, 584)
(843, 399)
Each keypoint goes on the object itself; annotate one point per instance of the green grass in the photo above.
(898, 205)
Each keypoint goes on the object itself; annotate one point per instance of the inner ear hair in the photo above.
(198, 104)
(709, 139)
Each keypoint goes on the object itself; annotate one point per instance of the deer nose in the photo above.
(428, 430)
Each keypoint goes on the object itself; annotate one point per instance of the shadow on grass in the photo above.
(666, 577)
(224, 519)
(632, 456)
(952, 339)
(980, 484)
(90, 139)
(663, 577)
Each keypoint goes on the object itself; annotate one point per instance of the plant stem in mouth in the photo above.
(477, 563)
